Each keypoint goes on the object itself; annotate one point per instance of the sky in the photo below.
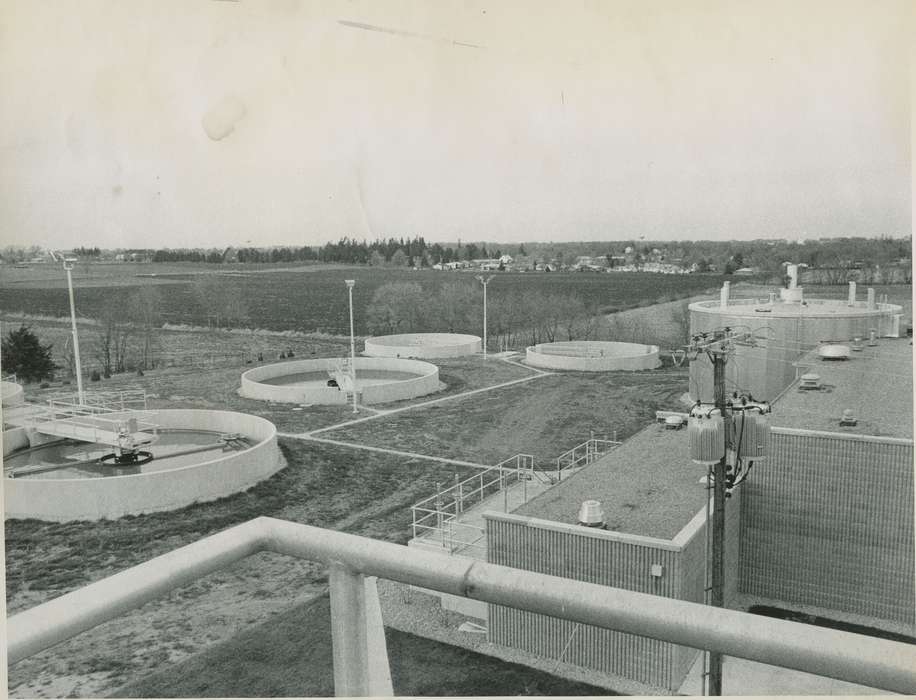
(186, 123)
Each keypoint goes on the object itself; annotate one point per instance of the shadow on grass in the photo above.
(291, 656)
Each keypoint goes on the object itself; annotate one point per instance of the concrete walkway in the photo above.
(381, 413)
(370, 448)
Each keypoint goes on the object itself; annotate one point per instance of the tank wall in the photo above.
(423, 384)
(437, 345)
(11, 394)
(587, 356)
(426, 381)
(252, 388)
(15, 439)
(63, 500)
(766, 369)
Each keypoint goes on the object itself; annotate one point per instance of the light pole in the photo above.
(68, 266)
(350, 284)
(484, 282)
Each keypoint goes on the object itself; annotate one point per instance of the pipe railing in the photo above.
(855, 658)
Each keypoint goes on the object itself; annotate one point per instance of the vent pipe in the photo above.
(723, 295)
(852, 294)
(591, 514)
(772, 297)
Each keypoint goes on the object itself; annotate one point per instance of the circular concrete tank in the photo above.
(11, 394)
(772, 333)
(423, 345)
(200, 456)
(378, 380)
(593, 356)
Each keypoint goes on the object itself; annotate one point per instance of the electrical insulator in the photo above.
(706, 438)
(752, 435)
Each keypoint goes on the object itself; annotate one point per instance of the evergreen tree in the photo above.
(25, 356)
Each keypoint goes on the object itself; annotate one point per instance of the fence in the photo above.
(584, 454)
(845, 656)
(437, 516)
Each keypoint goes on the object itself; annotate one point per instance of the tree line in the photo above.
(514, 318)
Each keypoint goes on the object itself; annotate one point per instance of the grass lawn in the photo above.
(544, 417)
(291, 656)
(323, 485)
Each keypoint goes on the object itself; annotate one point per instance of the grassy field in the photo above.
(543, 417)
(291, 656)
(314, 298)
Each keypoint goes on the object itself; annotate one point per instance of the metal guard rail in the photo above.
(845, 656)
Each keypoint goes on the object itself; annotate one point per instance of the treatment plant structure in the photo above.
(111, 456)
(823, 525)
(334, 381)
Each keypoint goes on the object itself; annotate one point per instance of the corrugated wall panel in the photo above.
(828, 522)
(586, 558)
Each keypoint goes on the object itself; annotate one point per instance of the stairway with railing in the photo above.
(438, 518)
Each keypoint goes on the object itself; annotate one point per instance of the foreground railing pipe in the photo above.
(851, 657)
(59, 619)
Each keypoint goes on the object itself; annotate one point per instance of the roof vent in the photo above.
(834, 352)
(591, 514)
(857, 344)
(810, 381)
(848, 419)
(872, 337)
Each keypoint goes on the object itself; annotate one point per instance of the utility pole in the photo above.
(484, 282)
(711, 439)
(717, 354)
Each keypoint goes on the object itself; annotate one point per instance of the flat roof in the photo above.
(647, 486)
(763, 308)
(876, 383)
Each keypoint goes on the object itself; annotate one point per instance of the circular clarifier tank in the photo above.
(593, 356)
(11, 394)
(194, 456)
(423, 345)
(327, 381)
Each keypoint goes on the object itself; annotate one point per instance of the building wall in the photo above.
(827, 521)
(602, 557)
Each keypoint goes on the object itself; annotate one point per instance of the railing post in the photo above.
(357, 636)
(439, 507)
(460, 497)
(505, 488)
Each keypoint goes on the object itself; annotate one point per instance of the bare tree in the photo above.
(145, 313)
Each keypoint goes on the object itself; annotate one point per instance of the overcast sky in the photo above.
(207, 122)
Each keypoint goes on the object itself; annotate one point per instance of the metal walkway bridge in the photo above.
(116, 419)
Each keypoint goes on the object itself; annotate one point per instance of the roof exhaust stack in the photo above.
(591, 514)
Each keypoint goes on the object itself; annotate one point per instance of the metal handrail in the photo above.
(878, 663)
